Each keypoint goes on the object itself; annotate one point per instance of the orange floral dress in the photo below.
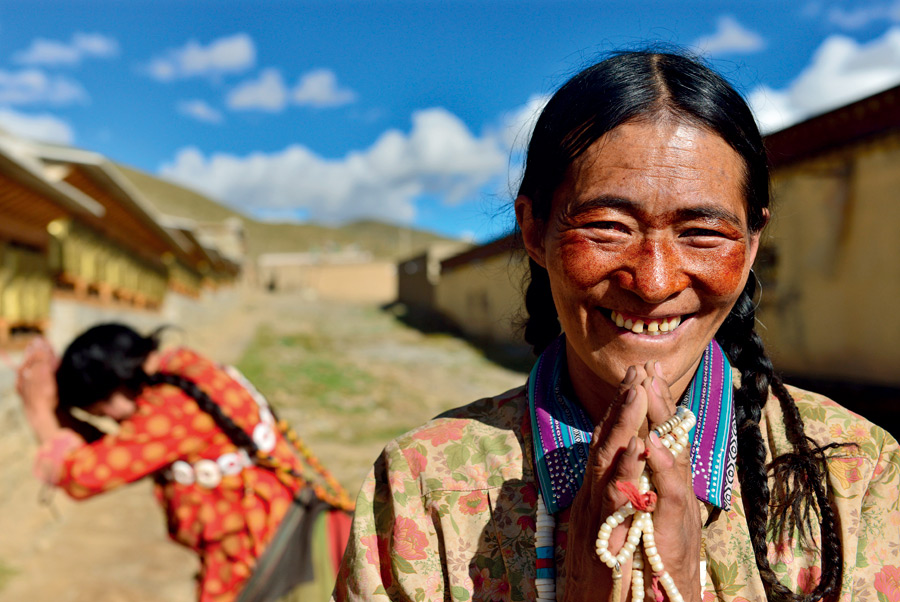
(228, 525)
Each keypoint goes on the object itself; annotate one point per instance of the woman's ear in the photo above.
(532, 230)
(756, 236)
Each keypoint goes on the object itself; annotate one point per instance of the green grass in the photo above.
(298, 369)
(6, 574)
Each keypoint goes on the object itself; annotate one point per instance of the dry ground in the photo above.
(347, 377)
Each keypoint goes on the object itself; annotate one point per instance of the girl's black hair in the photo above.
(110, 358)
(633, 86)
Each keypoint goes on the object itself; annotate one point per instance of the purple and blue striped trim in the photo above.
(562, 429)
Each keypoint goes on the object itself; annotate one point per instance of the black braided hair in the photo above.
(234, 432)
(110, 357)
(798, 476)
(542, 326)
(643, 85)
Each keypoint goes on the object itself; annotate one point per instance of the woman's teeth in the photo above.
(652, 327)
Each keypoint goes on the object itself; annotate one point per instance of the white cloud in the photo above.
(31, 86)
(319, 88)
(266, 93)
(232, 54)
(841, 71)
(200, 110)
(81, 46)
(438, 157)
(44, 127)
(730, 37)
(859, 17)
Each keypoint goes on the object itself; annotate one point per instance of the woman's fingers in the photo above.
(616, 454)
(660, 404)
(676, 518)
(610, 441)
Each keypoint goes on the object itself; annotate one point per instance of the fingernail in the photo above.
(629, 375)
(654, 440)
(632, 445)
(656, 367)
(657, 386)
(632, 393)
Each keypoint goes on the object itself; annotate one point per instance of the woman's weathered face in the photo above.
(647, 248)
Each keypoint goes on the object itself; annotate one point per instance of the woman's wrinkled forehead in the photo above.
(660, 164)
(680, 157)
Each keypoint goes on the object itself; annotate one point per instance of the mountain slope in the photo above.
(383, 240)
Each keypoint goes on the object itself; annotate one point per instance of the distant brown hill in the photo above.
(382, 240)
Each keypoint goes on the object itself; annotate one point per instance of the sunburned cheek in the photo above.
(582, 264)
(721, 275)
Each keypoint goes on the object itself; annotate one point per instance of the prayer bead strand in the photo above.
(673, 434)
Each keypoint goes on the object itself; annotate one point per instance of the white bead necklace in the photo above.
(673, 433)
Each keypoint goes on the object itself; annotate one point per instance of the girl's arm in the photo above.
(36, 385)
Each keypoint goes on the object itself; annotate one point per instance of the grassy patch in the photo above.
(296, 369)
(6, 573)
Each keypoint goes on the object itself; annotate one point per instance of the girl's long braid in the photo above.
(798, 475)
(337, 498)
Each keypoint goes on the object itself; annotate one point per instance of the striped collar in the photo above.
(562, 429)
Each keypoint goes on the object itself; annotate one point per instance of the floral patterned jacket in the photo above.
(448, 512)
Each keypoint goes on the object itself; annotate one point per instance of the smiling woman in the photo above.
(653, 449)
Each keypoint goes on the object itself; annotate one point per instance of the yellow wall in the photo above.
(833, 310)
(374, 281)
(485, 297)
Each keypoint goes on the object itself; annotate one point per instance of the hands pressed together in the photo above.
(620, 449)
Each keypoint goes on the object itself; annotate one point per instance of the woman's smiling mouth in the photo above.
(647, 326)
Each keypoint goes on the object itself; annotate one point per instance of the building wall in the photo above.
(829, 306)
(372, 282)
(485, 297)
(414, 288)
(418, 276)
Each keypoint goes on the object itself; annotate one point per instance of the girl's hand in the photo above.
(616, 454)
(676, 520)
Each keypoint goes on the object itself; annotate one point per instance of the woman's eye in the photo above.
(701, 232)
(614, 226)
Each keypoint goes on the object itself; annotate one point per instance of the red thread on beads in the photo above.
(640, 501)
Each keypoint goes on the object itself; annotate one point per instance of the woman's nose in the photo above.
(655, 271)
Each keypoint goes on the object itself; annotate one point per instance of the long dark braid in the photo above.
(234, 432)
(329, 490)
(798, 475)
(541, 326)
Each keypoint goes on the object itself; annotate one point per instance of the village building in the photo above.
(829, 261)
(480, 290)
(349, 275)
(79, 243)
(418, 276)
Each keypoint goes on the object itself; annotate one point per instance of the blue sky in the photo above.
(402, 111)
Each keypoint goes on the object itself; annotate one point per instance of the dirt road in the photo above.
(347, 377)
